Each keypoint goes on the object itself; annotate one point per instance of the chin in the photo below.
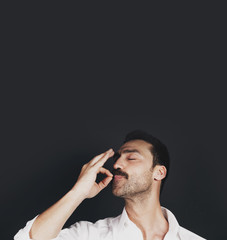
(116, 192)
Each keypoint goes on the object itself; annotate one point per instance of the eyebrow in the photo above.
(130, 151)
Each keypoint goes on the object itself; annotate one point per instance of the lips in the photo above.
(118, 177)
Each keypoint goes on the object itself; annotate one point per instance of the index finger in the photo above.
(102, 160)
(97, 158)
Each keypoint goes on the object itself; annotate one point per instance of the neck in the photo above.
(147, 214)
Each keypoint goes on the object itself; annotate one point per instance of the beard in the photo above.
(132, 186)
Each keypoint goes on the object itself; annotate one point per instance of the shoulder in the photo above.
(101, 229)
(106, 223)
(188, 235)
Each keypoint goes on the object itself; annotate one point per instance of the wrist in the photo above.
(78, 193)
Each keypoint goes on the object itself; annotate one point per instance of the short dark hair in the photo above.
(159, 150)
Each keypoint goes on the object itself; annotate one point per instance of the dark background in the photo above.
(74, 85)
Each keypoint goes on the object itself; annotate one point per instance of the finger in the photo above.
(102, 160)
(105, 171)
(104, 183)
(96, 158)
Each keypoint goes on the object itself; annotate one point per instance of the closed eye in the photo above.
(131, 158)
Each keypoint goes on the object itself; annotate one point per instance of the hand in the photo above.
(86, 180)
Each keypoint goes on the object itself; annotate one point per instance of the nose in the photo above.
(119, 164)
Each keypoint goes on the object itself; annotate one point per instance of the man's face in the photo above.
(133, 169)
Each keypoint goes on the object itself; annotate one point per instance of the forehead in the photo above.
(138, 144)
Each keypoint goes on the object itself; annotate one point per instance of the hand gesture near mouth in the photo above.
(86, 180)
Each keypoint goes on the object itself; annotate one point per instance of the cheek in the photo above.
(137, 171)
(144, 175)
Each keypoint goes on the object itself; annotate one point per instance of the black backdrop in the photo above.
(70, 94)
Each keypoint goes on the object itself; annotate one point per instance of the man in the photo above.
(140, 168)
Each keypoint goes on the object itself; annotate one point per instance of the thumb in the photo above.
(104, 183)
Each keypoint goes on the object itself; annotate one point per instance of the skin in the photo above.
(140, 187)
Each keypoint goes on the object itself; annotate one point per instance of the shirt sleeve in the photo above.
(82, 230)
(23, 233)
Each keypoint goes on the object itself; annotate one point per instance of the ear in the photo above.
(159, 172)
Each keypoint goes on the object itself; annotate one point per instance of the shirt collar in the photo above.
(124, 220)
(173, 224)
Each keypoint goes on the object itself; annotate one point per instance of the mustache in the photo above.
(119, 172)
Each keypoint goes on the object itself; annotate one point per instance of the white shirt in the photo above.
(113, 228)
